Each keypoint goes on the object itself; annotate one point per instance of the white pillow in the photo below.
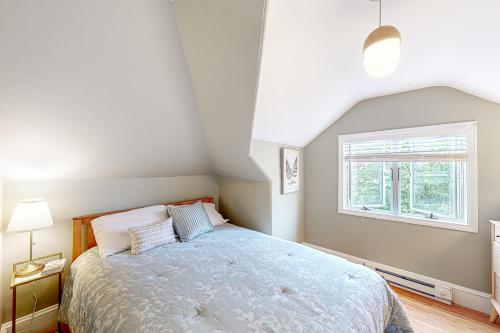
(214, 216)
(111, 231)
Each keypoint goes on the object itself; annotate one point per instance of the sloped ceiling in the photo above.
(99, 89)
(221, 40)
(92, 89)
(312, 72)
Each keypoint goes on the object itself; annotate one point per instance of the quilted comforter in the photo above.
(229, 280)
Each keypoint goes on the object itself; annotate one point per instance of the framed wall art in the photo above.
(290, 166)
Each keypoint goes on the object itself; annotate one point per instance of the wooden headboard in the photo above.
(83, 235)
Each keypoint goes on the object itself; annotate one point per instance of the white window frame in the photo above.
(435, 130)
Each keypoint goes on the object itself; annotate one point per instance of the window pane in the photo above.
(437, 188)
(432, 188)
(370, 186)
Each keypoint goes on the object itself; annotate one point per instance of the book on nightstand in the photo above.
(53, 266)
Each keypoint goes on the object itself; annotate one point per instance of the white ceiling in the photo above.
(311, 68)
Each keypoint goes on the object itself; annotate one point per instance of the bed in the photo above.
(229, 280)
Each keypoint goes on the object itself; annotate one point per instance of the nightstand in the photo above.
(495, 270)
(17, 282)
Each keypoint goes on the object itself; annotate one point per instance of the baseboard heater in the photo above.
(439, 293)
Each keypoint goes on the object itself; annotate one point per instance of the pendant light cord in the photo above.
(380, 13)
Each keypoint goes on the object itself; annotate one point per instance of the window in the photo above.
(423, 175)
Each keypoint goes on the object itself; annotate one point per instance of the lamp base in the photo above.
(31, 268)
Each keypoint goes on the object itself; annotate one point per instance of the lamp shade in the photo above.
(381, 51)
(30, 215)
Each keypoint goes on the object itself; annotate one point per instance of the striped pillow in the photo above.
(151, 236)
(190, 221)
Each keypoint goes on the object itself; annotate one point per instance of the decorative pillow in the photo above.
(190, 221)
(151, 236)
(214, 216)
(111, 231)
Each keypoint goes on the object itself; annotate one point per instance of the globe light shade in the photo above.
(381, 51)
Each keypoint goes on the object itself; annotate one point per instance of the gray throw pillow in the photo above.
(151, 236)
(190, 221)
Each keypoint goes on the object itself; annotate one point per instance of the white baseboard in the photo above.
(44, 320)
(466, 297)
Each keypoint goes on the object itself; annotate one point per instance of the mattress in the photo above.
(228, 280)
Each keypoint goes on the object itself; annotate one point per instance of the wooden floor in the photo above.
(429, 316)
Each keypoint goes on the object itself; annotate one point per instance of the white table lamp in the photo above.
(30, 215)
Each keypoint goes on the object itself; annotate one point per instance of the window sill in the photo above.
(411, 220)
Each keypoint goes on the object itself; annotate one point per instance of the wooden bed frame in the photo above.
(83, 235)
(84, 239)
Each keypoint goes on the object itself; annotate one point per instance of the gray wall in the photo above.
(260, 205)
(100, 92)
(458, 257)
(96, 89)
(69, 198)
(246, 203)
(221, 40)
(287, 209)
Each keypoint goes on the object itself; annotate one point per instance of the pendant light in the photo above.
(382, 49)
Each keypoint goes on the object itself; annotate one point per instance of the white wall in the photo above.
(221, 40)
(1, 246)
(287, 209)
(96, 89)
(69, 198)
